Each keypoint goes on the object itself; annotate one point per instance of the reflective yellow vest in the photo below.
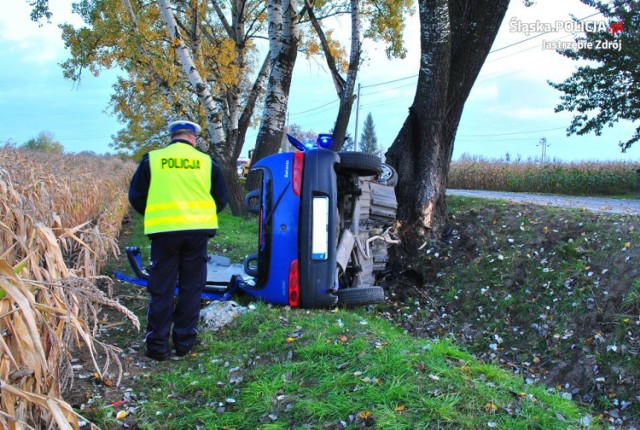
(180, 191)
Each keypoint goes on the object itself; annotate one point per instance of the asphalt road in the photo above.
(594, 204)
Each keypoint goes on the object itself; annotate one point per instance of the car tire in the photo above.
(361, 163)
(390, 175)
(359, 296)
(249, 268)
(252, 201)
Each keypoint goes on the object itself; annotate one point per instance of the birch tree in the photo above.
(284, 37)
(455, 39)
(195, 60)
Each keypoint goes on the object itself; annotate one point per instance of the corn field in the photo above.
(59, 220)
(586, 178)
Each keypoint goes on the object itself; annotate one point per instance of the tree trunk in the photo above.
(283, 47)
(236, 192)
(344, 88)
(456, 36)
(346, 95)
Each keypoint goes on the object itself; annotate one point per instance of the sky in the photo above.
(510, 109)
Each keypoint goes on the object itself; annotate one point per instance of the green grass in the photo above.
(282, 368)
(278, 368)
(236, 238)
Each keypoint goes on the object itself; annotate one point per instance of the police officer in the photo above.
(179, 190)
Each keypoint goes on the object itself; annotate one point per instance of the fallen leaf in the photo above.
(365, 414)
(490, 408)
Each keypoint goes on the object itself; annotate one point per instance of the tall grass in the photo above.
(59, 219)
(584, 178)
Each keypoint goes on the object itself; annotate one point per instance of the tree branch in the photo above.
(223, 19)
(338, 81)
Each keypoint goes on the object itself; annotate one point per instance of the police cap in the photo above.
(175, 126)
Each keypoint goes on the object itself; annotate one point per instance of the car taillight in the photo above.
(298, 163)
(294, 284)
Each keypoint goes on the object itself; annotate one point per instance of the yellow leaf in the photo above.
(290, 339)
(490, 408)
(365, 414)
(627, 245)
(400, 408)
(122, 414)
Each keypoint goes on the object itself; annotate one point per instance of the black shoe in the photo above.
(156, 356)
(181, 353)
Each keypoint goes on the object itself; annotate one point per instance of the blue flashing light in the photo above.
(325, 140)
(309, 144)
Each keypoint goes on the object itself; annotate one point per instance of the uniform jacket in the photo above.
(141, 180)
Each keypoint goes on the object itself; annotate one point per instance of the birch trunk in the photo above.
(283, 47)
(214, 130)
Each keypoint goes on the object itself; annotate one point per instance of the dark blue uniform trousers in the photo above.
(176, 260)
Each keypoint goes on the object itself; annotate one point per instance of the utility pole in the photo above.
(355, 138)
(543, 144)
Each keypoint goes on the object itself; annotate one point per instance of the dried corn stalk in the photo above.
(59, 219)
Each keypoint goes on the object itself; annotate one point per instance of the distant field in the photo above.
(586, 178)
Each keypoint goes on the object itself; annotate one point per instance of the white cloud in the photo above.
(29, 41)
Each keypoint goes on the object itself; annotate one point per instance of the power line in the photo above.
(388, 89)
(315, 108)
(390, 82)
(486, 77)
(513, 133)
